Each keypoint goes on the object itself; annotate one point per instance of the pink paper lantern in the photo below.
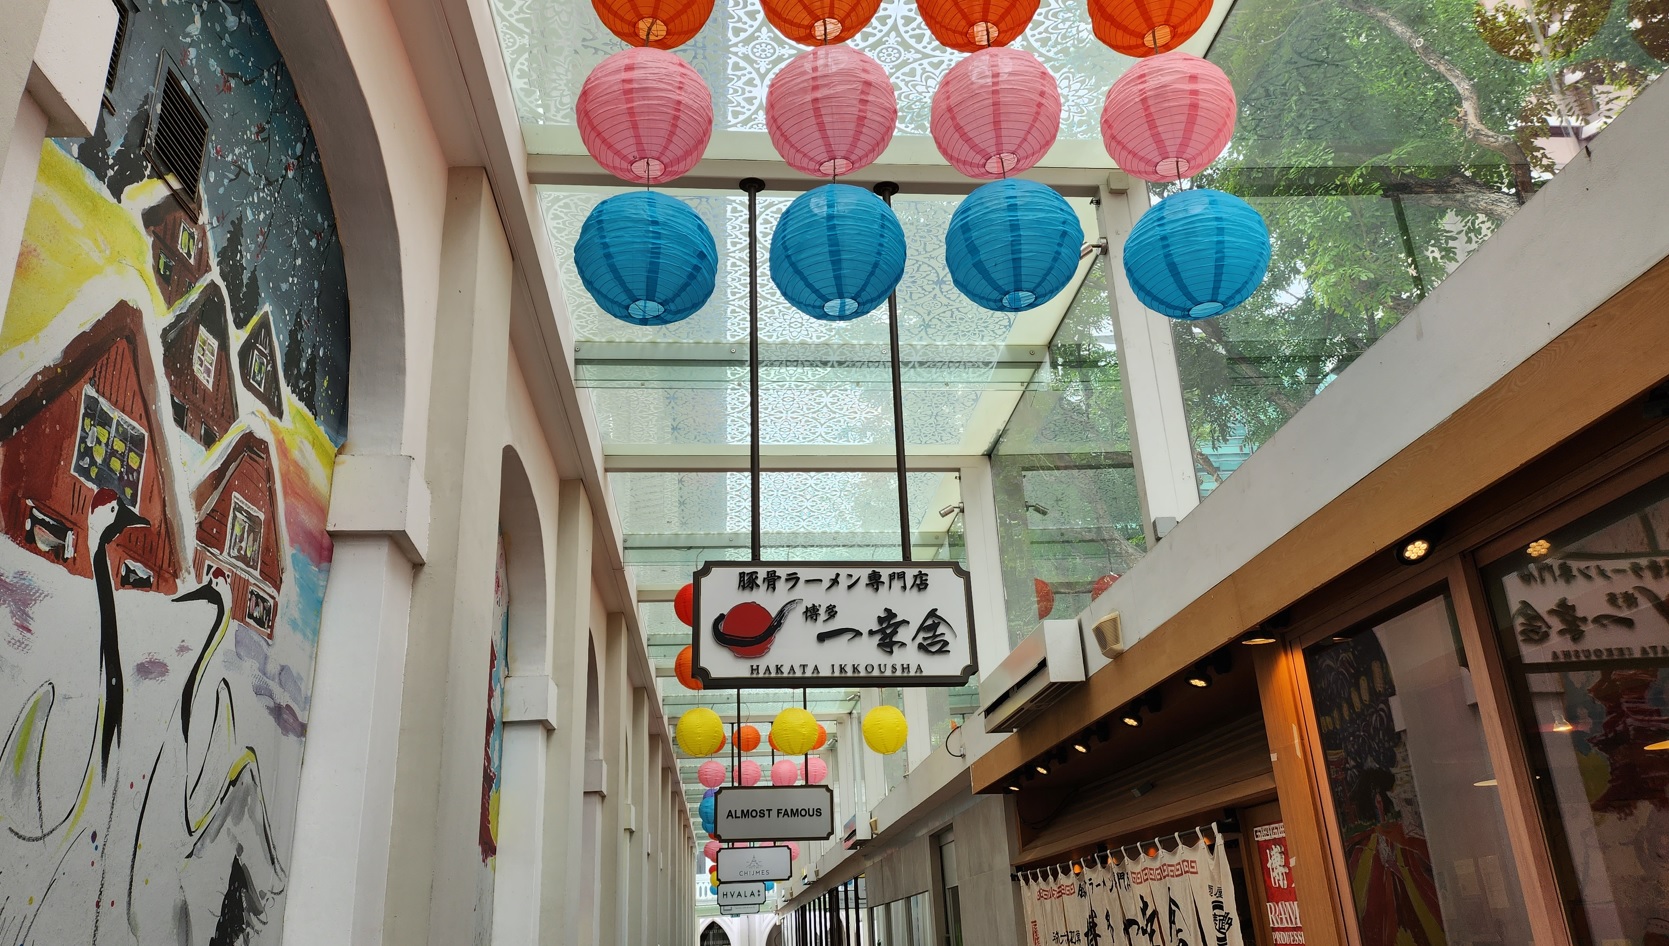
(816, 770)
(793, 851)
(710, 774)
(1168, 117)
(751, 772)
(645, 115)
(711, 851)
(785, 772)
(830, 111)
(996, 113)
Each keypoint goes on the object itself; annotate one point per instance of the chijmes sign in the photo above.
(810, 624)
(744, 864)
(771, 813)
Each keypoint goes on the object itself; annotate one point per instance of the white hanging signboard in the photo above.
(741, 895)
(833, 624)
(741, 910)
(772, 813)
(740, 864)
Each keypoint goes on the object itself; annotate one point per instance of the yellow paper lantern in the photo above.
(795, 731)
(884, 729)
(700, 732)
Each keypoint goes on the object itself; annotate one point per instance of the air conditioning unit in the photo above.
(1037, 673)
(858, 831)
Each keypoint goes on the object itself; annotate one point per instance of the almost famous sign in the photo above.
(771, 813)
(743, 864)
(741, 895)
(833, 624)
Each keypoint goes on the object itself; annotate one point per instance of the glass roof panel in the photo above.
(550, 47)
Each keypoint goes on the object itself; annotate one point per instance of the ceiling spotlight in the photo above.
(950, 510)
(1258, 635)
(1131, 717)
(1417, 547)
(1042, 769)
(1486, 783)
(1013, 787)
(1200, 678)
(1539, 548)
(1080, 746)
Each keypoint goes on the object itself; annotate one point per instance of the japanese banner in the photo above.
(811, 624)
(1565, 611)
(1280, 891)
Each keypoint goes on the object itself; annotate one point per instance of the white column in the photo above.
(564, 875)
(643, 756)
(918, 738)
(617, 714)
(1159, 440)
(344, 808)
(979, 525)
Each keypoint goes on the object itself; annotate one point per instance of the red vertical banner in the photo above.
(1280, 888)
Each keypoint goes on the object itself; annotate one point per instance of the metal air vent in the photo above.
(179, 135)
(1034, 676)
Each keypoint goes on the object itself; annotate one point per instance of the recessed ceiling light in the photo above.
(1258, 637)
(1042, 769)
(1131, 719)
(1486, 783)
(1539, 548)
(1080, 747)
(1414, 550)
(1014, 788)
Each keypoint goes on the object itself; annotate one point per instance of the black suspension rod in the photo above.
(886, 190)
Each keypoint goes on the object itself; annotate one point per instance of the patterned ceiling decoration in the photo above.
(550, 47)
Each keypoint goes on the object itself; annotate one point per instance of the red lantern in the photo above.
(819, 22)
(830, 111)
(1045, 598)
(645, 115)
(662, 24)
(971, 25)
(683, 605)
(1168, 117)
(1101, 585)
(1145, 27)
(683, 667)
(996, 113)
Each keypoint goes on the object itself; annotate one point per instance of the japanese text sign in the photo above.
(1280, 891)
(833, 624)
(1590, 609)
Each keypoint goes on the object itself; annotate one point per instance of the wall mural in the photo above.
(173, 390)
(492, 758)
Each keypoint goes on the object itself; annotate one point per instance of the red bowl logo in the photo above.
(748, 629)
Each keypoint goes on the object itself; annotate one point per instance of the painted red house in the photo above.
(91, 421)
(197, 360)
(240, 530)
(179, 248)
(258, 364)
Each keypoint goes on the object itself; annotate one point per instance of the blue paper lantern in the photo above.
(646, 258)
(1013, 245)
(837, 253)
(1196, 254)
(708, 809)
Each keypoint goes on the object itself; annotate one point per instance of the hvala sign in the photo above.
(833, 624)
(770, 813)
(741, 895)
(747, 909)
(740, 864)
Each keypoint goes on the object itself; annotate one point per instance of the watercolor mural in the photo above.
(492, 760)
(173, 391)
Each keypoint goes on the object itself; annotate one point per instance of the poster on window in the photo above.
(833, 624)
(1280, 889)
(1566, 611)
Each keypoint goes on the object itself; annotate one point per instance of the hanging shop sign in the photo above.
(746, 909)
(1590, 609)
(741, 895)
(771, 813)
(744, 864)
(833, 624)
(1280, 888)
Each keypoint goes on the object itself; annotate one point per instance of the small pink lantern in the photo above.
(711, 851)
(711, 774)
(996, 113)
(830, 111)
(1168, 117)
(785, 772)
(793, 851)
(816, 770)
(645, 115)
(751, 772)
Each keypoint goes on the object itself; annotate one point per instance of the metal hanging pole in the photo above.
(753, 185)
(886, 190)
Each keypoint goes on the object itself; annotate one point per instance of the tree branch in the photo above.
(1246, 367)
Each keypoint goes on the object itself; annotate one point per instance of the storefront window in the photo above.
(1424, 838)
(1584, 627)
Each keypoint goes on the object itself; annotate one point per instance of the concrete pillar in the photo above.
(24, 20)
(918, 738)
(563, 878)
(617, 714)
(979, 524)
(1159, 438)
(432, 872)
(642, 758)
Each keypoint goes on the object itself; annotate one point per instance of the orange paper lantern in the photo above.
(683, 605)
(822, 738)
(1045, 598)
(662, 24)
(818, 22)
(747, 738)
(970, 25)
(682, 665)
(1146, 27)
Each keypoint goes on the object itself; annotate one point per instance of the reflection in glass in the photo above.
(1412, 786)
(1581, 618)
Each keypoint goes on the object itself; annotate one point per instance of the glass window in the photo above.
(1584, 627)
(243, 540)
(203, 355)
(110, 452)
(1412, 785)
